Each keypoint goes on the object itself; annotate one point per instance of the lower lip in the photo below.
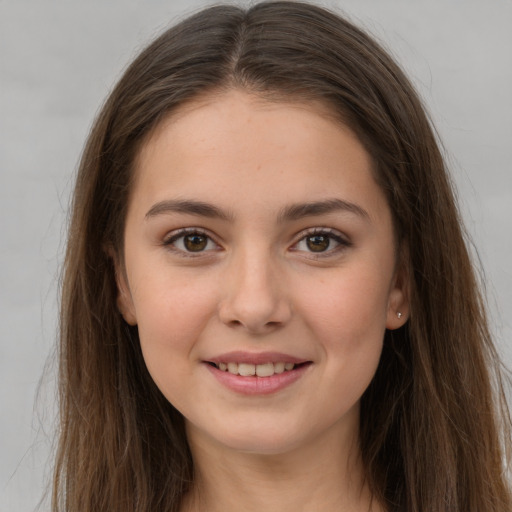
(258, 385)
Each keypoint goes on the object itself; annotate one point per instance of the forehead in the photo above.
(263, 149)
(209, 117)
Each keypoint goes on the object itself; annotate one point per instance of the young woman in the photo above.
(268, 303)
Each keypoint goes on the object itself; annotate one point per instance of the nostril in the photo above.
(257, 315)
(255, 328)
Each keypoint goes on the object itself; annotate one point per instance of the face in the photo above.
(260, 269)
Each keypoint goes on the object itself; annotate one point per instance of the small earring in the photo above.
(399, 315)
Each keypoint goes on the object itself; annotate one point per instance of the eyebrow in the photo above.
(288, 213)
(190, 207)
(316, 208)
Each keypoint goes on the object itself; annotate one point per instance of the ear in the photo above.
(398, 301)
(124, 297)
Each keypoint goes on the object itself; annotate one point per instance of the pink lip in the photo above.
(257, 385)
(256, 358)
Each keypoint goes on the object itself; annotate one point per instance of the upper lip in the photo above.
(256, 358)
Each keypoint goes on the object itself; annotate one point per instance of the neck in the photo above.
(326, 474)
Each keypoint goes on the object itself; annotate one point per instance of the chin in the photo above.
(253, 439)
(262, 446)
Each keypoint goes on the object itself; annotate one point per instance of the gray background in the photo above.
(58, 59)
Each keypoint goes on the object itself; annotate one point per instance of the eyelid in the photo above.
(175, 235)
(341, 239)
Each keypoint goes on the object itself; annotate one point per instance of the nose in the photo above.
(254, 295)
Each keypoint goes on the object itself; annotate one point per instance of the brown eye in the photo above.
(195, 242)
(322, 242)
(318, 243)
(191, 242)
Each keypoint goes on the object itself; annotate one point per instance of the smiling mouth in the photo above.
(257, 370)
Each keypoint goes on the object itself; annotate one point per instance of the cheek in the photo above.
(347, 315)
(171, 315)
(352, 302)
(173, 303)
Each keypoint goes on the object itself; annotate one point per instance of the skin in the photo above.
(257, 286)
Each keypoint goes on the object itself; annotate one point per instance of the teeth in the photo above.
(265, 370)
(246, 369)
(278, 367)
(261, 370)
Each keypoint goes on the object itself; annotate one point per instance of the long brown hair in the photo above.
(434, 422)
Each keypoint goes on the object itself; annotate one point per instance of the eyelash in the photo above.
(170, 241)
(332, 235)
